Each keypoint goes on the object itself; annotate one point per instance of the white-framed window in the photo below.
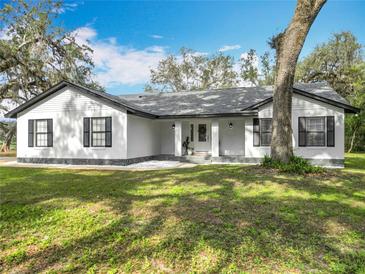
(98, 131)
(312, 131)
(40, 133)
(262, 131)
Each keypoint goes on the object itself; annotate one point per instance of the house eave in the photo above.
(346, 107)
(210, 115)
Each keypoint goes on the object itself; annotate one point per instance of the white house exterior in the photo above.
(74, 125)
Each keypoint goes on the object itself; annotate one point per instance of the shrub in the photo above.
(296, 165)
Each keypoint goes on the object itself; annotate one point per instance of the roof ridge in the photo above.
(215, 89)
(191, 91)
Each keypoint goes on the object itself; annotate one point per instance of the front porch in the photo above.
(210, 139)
(208, 159)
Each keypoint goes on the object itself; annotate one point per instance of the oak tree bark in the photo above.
(5, 147)
(288, 46)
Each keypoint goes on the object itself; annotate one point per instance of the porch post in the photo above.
(215, 138)
(178, 136)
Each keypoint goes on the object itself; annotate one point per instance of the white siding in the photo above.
(215, 138)
(143, 137)
(167, 135)
(67, 108)
(232, 140)
(303, 107)
(250, 150)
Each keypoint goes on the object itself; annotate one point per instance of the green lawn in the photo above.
(220, 218)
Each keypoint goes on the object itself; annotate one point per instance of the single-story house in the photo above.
(71, 124)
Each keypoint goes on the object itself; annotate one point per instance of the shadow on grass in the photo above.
(203, 219)
(355, 162)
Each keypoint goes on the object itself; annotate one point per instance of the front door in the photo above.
(203, 137)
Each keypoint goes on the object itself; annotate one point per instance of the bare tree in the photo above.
(288, 46)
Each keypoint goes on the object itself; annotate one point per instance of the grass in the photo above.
(355, 162)
(219, 218)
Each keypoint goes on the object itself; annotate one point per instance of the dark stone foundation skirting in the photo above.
(189, 159)
(74, 161)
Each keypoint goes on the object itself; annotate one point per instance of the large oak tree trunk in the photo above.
(288, 46)
(5, 147)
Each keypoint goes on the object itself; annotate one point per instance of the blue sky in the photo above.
(130, 37)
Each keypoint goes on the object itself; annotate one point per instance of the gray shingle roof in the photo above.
(321, 89)
(232, 101)
(218, 101)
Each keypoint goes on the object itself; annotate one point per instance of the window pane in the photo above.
(41, 126)
(315, 124)
(192, 132)
(265, 139)
(98, 139)
(202, 128)
(315, 138)
(266, 125)
(98, 124)
(41, 140)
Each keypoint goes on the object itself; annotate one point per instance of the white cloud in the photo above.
(229, 47)
(156, 36)
(84, 35)
(4, 34)
(156, 49)
(71, 5)
(66, 7)
(117, 64)
(200, 53)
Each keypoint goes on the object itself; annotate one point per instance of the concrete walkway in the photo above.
(4, 160)
(148, 165)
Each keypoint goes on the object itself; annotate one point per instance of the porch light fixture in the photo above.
(173, 126)
(230, 125)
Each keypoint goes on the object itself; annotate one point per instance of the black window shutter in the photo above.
(86, 132)
(330, 131)
(108, 131)
(30, 133)
(49, 132)
(302, 131)
(256, 132)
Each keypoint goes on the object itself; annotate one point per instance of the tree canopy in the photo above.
(191, 70)
(333, 62)
(35, 54)
(249, 68)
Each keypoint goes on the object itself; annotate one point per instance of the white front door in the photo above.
(202, 143)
